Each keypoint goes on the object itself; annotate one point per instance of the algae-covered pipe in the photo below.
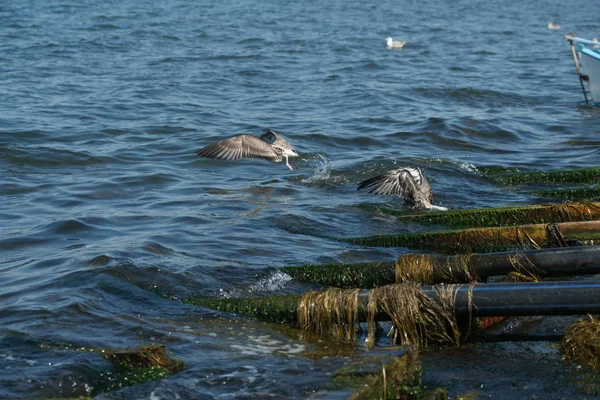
(505, 216)
(526, 299)
(545, 263)
(481, 300)
(487, 239)
(430, 269)
(518, 299)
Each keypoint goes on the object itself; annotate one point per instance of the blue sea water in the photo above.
(108, 216)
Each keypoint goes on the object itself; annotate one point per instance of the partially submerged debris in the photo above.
(138, 365)
(392, 378)
(152, 356)
(581, 342)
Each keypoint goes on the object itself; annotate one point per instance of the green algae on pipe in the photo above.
(505, 216)
(585, 193)
(481, 300)
(482, 240)
(363, 275)
(579, 175)
(279, 309)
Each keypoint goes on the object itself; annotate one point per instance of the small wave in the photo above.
(265, 344)
(322, 172)
(478, 96)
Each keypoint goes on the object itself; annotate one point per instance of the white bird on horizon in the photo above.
(270, 146)
(553, 27)
(406, 182)
(394, 44)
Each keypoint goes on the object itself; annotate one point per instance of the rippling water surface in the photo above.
(107, 213)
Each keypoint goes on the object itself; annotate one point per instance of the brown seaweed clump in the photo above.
(417, 319)
(152, 356)
(333, 311)
(581, 342)
(523, 269)
(428, 270)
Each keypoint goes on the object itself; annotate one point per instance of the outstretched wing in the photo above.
(242, 146)
(403, 182)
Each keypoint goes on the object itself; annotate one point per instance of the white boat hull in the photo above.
(590, 66)
(586, 54)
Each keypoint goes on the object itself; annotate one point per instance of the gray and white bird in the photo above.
(553, 27)
(394, 44)
(406, 182)
(270, 146)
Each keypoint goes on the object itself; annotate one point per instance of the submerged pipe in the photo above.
(546, 263)
(482, 300)
(564, 261)
(520, 299)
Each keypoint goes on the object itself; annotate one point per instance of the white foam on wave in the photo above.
(271, 283)
(467, 167)
(265, 344)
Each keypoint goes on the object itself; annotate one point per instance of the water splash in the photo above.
(467, 167)
(271, 283)
(322, 172)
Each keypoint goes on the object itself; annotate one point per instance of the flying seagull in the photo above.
(407, 182)
(270, 146)
(553, 27)
(394, 44)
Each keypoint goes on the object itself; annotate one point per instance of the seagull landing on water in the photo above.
(407, 182)
(270, 146)
(394, 44)
(553, 27)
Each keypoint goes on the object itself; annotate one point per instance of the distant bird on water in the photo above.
(553, 27)
(394, 44)
(270, 146)
(407, 182)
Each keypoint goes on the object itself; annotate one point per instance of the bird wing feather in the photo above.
(241, 146)
(402, 182)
